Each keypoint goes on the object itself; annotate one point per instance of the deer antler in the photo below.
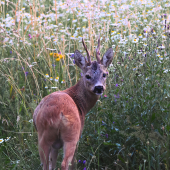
(88, 55)
(98, 51)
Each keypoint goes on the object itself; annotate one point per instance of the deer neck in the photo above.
(83, 98)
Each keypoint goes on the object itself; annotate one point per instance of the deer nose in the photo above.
(98, 89)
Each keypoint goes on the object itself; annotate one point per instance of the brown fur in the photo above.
(59, 117)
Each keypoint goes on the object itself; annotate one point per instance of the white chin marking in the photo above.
(99, 94)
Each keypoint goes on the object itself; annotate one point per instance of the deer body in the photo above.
(59, 117)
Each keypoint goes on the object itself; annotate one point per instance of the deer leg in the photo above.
(44, 150)
(53, 158)
(74, 161)
(69, 149)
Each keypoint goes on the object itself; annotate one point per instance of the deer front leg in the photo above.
(69, 149)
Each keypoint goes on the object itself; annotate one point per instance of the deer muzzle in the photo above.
(98, 90)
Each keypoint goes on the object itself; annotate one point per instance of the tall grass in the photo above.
(129, 126)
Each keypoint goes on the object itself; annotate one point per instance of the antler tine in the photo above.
(88, 55)
(98, 51)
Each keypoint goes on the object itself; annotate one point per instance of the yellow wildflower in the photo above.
(56, 55)
(62, 56)
(58, 59)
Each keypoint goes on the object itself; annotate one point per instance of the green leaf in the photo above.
(108, 144)
(153, 117)
(167, 127)
(121, 158)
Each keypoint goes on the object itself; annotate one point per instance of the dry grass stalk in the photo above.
(56, 12)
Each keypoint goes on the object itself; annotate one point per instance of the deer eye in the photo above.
(88, 77)
(104, 75)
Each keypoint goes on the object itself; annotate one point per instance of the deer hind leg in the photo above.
(44, 150)
(69, 149)
(74, 161)
(53, 158)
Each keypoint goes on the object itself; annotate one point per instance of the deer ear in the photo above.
(107, 58)
(79, 59)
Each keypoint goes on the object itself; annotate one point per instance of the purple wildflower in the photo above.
(10, 52)
(79, 161)
(74, 61)
(116, 85)
(26, 73)
(84, 161)
(84, 168)
(29, 36)
(105, 95)
(103, 123)
(72, 56)
(116, 96)
(107, 135)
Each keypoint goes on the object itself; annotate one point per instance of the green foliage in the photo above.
(129, 126)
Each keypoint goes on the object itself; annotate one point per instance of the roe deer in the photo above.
(59, 117)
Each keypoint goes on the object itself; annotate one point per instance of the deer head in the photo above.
(94, 72)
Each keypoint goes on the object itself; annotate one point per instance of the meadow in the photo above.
(129, 127)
